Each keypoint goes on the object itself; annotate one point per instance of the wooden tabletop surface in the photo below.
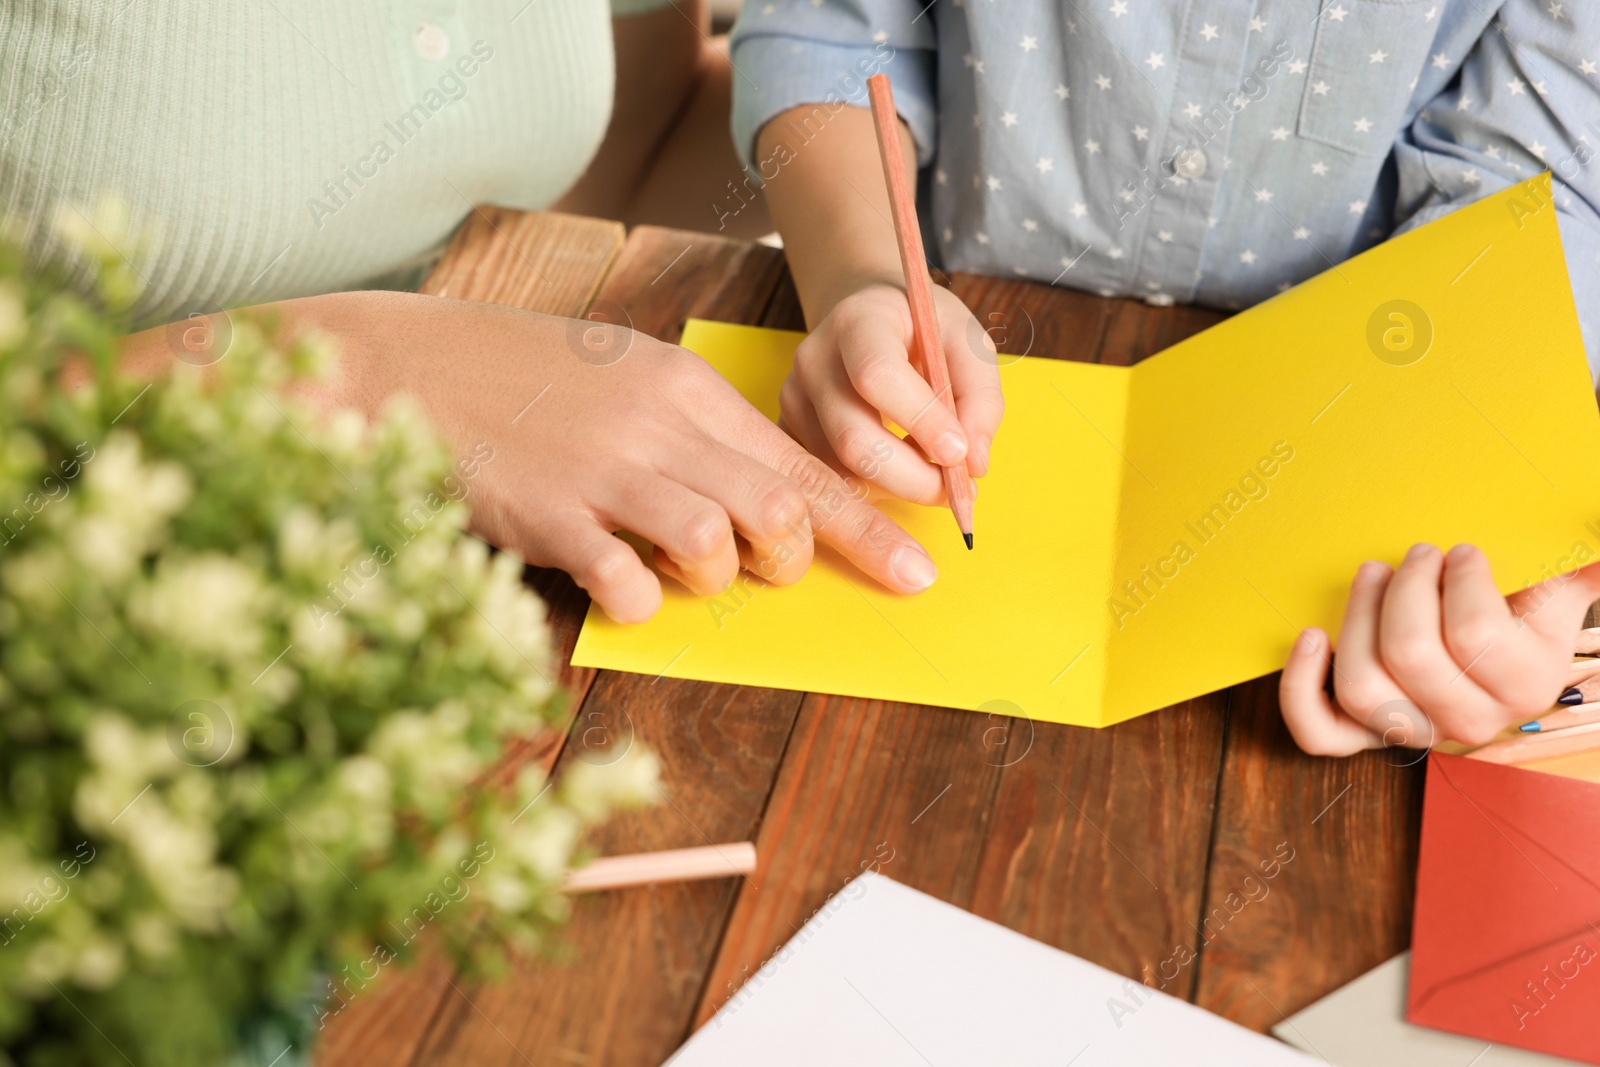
(1139, 847)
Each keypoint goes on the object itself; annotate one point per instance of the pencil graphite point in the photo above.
(968, 539)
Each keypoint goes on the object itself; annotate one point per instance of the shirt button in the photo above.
(1189, 163)
(431, 42)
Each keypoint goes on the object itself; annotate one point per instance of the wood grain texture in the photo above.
(537, 261)
(1342, 904)
(637, 959)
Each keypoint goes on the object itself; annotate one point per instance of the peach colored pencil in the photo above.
(1588, 640)
(1581, 669)
(670, 865)
(925, 346)
(1539, 746)
(1581, 715)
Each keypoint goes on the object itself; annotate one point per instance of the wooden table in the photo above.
(1137, 847)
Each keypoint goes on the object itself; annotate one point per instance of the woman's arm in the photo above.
(593, 429)
(668, 156)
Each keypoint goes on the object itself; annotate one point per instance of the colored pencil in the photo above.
(1563, 718)
(1580, 669)
(1540, 746)
(1588, 641)
(1586, 691)
(925, 346)
(670, 865)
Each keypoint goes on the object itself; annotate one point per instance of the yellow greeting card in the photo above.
(1154, 533)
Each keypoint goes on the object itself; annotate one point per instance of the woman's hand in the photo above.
(854, 372)
(1432, 652)
(594, 429)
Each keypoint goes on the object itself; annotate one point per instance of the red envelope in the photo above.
(1505, 945)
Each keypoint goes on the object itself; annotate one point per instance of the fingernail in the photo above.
(914, 569)
(1571, 696)
(1418, 552)
(949, 448)
(1459, 553)
(1529, 727)
(1371, 571)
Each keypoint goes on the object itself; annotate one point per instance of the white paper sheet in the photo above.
(887, 976)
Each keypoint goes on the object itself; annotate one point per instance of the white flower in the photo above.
(593, 789)
(210, 604)
(99, 963)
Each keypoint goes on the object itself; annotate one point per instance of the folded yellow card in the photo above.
(1154, 533)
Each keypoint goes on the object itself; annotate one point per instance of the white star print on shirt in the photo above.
(1116, 253)
(1555, 11)
(1537, 149)
(1247, 256)
(1082, 166)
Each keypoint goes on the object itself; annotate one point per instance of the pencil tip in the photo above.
(1529, 727)
(1570, 697)
(968, 539)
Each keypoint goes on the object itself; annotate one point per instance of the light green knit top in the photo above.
(280, 148)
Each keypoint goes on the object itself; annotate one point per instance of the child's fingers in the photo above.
(1411, 642)
(800, 421)
(1522, 668)
(1359, 680)
(874, 356)
(975, 379)
(1317, 726)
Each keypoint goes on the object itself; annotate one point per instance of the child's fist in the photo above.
(853, 374)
